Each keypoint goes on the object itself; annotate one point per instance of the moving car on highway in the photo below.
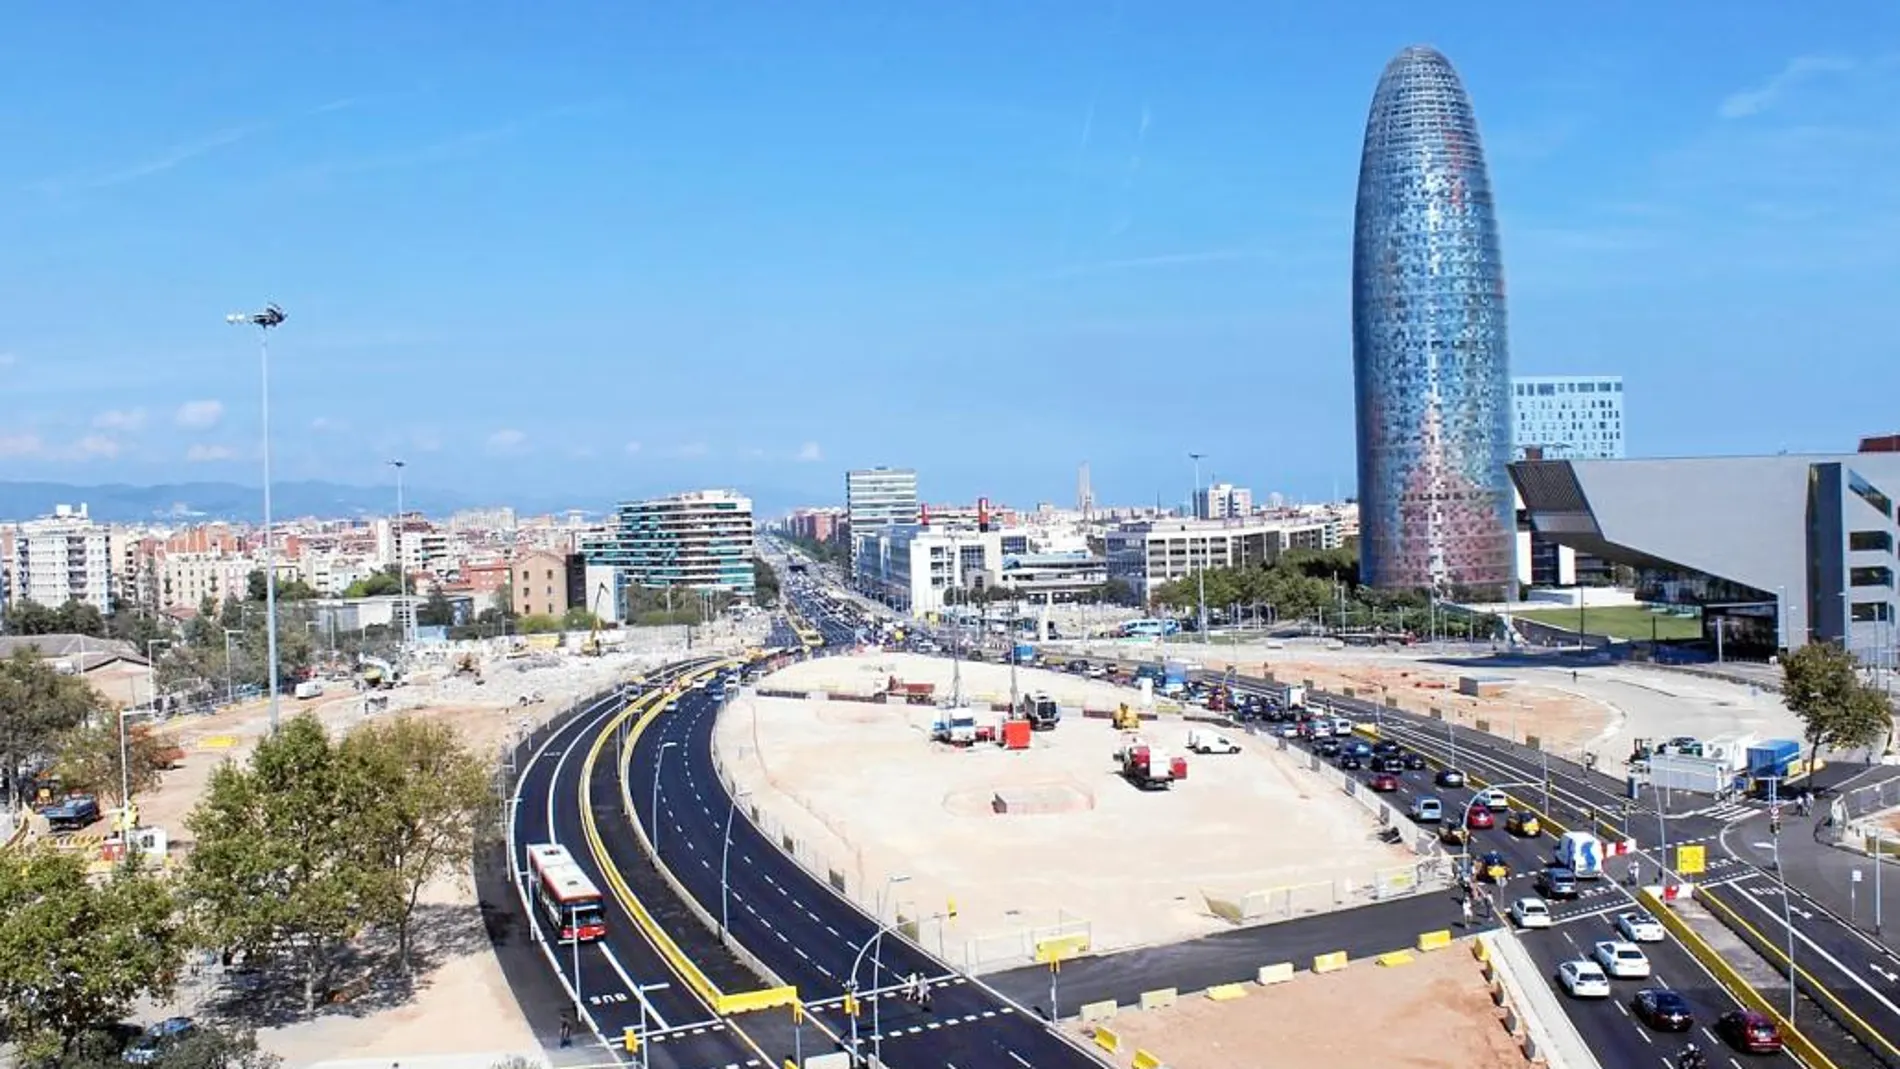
(1530, 913)
(1450, 777)
(1663, 1009)
(1640, 927)
(1625, 961)
(1480, 819)
(1384, 783)
(1583, 979)
(1492, 866)
(1555, 882)
(1524, 823)
(1427, 810)
(1750, 1032)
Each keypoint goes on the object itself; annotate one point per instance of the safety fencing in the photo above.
(1865, 801)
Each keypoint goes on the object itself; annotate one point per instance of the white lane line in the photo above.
(1825, 956)
(631, 986)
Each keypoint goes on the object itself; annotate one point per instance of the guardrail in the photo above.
(1548, 1030)
(1733, 981)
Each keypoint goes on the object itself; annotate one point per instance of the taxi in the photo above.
(1524, 823)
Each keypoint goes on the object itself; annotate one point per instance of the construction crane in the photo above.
(590, 646)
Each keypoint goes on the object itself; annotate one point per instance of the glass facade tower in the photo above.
(1431, 368)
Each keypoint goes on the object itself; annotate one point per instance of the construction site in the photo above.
(1057, 819)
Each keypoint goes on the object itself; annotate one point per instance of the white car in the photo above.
(1625, 961)
(1530, 913)
(1583, 979)
(1494, 799)
(1640, 928)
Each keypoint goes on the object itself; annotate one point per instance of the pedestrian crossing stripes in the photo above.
(1726, 812)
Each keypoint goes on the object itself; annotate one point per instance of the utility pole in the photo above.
(402, 570)
(270, 317)
(1198, 503)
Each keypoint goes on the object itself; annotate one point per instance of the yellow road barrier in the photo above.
(1725, 974)
(1278, 973)
(1146, 1060)
(1396, 957)
(1226, 992)
(763, 999)
(1437, 940)
(217, 742)
(1159, 999)
(1106, 1039)
(1333, 962)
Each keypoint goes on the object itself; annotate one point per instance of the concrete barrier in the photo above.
(1226, 992)
(1437, 940)
(1159, 999)
(1097, 1011)
(1147, 1060)
(1274, 974)
(1396, 957)
(1333, 962)
(1107, 1039)
(1532, 1002)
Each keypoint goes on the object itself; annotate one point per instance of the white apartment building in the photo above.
(701, 540)
(1147, 555)
(330, 574)
(879, 497)
(1222, 501)
(63, 557)
(185, 580)
(1569, 417)
(912, 567)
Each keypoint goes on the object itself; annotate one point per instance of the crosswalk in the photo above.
(1727, 812)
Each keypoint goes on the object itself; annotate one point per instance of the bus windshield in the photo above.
(584, 915)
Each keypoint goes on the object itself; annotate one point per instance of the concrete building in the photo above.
(1775, 551)
(817, 525)
(699, 541)
(1567, 417)
(185, 580)
(880, 497)
(538, 584)
(1054, 577)
(1146, 555)
(1222, 501)
(910, 567)
(63, 557)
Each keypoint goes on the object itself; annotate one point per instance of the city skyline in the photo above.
(464, 237)
(1431, 355)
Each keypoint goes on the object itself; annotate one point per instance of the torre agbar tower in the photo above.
(1431, 369)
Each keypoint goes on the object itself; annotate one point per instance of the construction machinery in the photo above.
(1126, 719)
(1148, 766)
(377, 674)
(467, 665)
(1040, 710)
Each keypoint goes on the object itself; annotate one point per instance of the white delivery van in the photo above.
(309, 688)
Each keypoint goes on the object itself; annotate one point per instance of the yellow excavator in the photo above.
(1127, 719)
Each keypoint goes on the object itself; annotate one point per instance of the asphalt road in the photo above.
(609, 974)
(808, 935)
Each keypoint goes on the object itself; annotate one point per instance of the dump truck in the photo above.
(1148, 766)
(76, 812)
(911, 693)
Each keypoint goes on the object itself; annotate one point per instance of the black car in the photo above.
(1388, 763)
(1663, 1010)
(1351, 762)
(1556, 882)
(1385, 748)
(1414, 762)
(1326, 747)
(1450, 777)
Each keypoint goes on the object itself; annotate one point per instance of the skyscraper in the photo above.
(1431, 367)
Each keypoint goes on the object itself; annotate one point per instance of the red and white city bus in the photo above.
(568, 898)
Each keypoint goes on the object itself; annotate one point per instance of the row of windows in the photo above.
(1551, 389)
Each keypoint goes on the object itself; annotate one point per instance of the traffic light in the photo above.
(630, 1039)
(851, 1005)
(953, 909)
(798, 1013)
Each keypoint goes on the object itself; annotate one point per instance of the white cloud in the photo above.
(25, 444)
(1800, 69)
(120, 419)
(95, 445)
(809, 453)
(199, 454)
(632, 448)
(199, 414)
(506, 440)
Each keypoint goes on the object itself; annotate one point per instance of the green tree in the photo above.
(287, 589)
(579, 619)
(436, 610)
(74, 953)
(429, 797)
(281, 861)
(539, 623)
(89, 758)
(37, 706)
(382, 584)
(1821, 684)
(764, 583)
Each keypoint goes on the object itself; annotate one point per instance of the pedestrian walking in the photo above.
(1636, 872)
(1465, 909)
(567, 1029)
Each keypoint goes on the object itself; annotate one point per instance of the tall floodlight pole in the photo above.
(270, 317)
(395, 543)
(1200, 574)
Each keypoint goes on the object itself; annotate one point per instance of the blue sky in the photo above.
(611, 249)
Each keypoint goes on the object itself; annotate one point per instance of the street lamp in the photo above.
(725, 860)
(230, 689)
(402, 571)
(271, 316)
(1200, 574)
(151, 670)
(1787, 907)
(658, 762)
(875, 945)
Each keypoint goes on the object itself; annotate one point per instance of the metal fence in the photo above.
(1857, 802)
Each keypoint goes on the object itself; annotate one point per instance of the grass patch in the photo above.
(1623, 621)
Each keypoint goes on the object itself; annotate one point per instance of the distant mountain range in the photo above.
(199, 502)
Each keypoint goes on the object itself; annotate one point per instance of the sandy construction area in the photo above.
(1434, 1012)
(863, 793)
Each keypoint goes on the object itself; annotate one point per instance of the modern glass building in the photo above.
(700, 540)
(1431, 368)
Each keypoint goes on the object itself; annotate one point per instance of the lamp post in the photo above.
(402, 570)
(230, 688)
(659, 761)
(271, 316)
(151, 670)
(725, 861)
(1200, 574)
(1787, 907)
(874, 945)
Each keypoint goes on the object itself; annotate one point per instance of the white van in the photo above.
(1427, 811)
(309, 688)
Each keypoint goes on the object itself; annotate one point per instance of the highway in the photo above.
(608, 975)
(808, 935)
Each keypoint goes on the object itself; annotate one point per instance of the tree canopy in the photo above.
(38, 705)
(1822, 685)
(89, 758)
(73, 618)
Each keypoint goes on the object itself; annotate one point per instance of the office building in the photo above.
(1773, 551)
(697, 541)
(63, 557)
(538, 584)
(1431, 366)
(1149, 554)
(875, 498)
(1222, 501)
(1567, 417)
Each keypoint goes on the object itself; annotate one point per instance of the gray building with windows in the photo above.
(1776, 551)
(877, 498)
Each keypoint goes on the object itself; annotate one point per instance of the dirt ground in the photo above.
(461, 1003)
(865, 794)
(1434, 1012)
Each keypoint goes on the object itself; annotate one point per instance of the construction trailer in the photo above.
(1148, 766)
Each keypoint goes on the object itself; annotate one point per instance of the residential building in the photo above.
(1148, 554)
(63, 557)
(1222, 501)
(186, 580)
(817, 525)
(701, 540)
(875, 498)
(1567, 417)
(538, 584)
(1774, 551)
(1431, 363)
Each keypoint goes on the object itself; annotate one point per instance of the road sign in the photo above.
(1692, 860)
